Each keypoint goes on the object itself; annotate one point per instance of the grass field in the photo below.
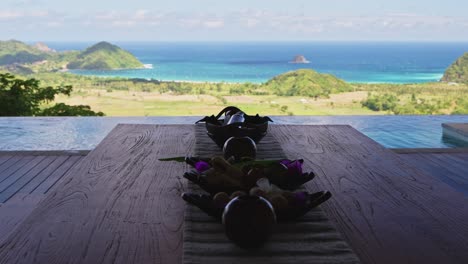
(127, 97)
(125, 103)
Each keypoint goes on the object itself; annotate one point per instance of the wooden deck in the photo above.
(120, 204)
(26, 177)
(449, 167)
(389, 211)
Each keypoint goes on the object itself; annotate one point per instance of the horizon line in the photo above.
(248, 41)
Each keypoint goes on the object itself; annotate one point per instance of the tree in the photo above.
(62, 109)
(385, 102)
(25, 97)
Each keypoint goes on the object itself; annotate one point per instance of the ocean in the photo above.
(257, 62)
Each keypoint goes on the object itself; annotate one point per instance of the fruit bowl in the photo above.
(219, 175)
(235, 123)
(292, 211)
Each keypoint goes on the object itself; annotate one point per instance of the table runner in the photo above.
(310, 239)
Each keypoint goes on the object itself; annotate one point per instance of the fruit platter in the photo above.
(220, 175)
(246, 194)
(274, 180)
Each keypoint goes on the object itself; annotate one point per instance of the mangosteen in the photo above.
(248, 221)
(239, 147)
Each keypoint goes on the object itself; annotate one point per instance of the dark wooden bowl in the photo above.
(255, 127)
(219, 134)
(206, 204)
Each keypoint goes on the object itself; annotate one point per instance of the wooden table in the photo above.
(121, 205)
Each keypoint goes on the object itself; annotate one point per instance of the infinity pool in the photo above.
(83, 133)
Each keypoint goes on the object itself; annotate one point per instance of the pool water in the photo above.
(84, 133)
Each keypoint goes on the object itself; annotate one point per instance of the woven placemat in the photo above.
(310, 239)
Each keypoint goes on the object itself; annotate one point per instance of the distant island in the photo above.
(458, 71)
(300, 59)
(19, 57)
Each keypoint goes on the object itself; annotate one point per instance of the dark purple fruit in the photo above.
(239, 147)
(248, 221)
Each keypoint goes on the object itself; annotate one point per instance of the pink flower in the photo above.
(202, 166)
(294, 167)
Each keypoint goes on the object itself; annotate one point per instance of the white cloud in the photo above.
(39, 13)
(216, 23)
(110, 15)
(5, 15)
(259, 24)
(15, 14)
(125, 19)
(25, 2)
(141, 14)
(123, 23)
(189, 23)
(54, 24)
(251, 22)
(377, 24)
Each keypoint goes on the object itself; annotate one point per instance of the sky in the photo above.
(239, 20)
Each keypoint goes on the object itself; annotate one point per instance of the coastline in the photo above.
(227, 62)
(168, 80)
(77, 72)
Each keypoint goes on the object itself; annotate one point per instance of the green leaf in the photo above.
(178, 159)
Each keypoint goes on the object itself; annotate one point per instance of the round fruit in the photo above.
(239, 147)
(248, 221)
(237, 193)
(221, 199)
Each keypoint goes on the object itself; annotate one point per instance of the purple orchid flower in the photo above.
(202, 166)
(294, 167)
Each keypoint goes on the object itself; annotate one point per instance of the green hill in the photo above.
(104, 56)
(306, 82)
(40, 58)
(458, 71)
(17, 52)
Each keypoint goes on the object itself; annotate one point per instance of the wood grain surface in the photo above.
(22, 190)
(121, 205)
(451, 168)
(118, 205)
(388, 211)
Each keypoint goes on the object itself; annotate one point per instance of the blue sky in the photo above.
(242, 20)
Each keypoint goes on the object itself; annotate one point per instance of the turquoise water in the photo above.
(368, 62)
(81, 133)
